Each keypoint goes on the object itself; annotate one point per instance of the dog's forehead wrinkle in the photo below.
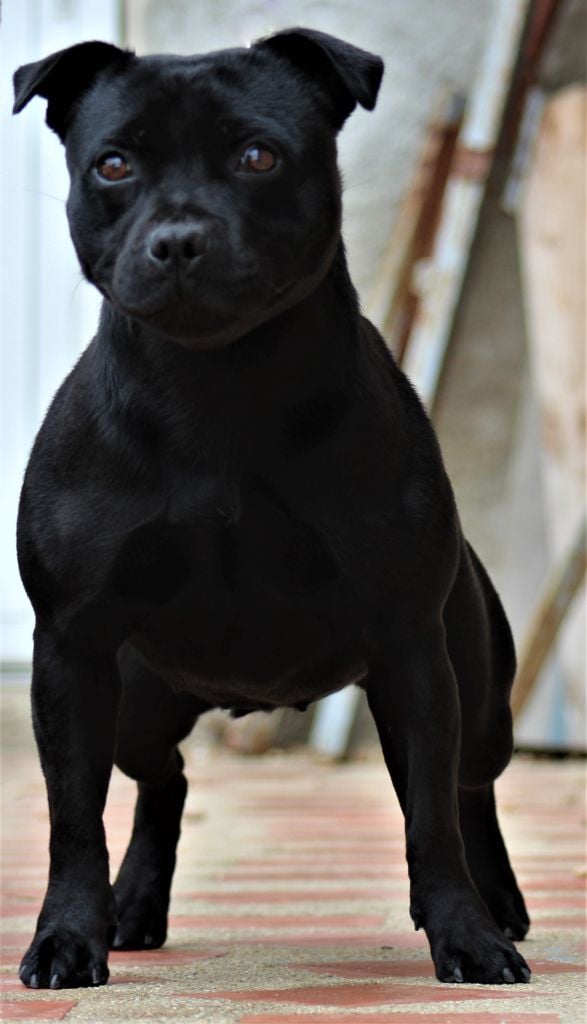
(215, 74)
(230, 93)
(219, 58)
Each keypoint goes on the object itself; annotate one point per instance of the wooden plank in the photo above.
(552, 250)
(562, 587)
(541, 18)
(393, 300)
(442, 282)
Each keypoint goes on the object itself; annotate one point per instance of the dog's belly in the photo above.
(247, 678)
(251, 649)
(255, 614)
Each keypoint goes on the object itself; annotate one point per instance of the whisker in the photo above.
(45, 195)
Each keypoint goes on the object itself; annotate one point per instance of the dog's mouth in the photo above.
(200, 324)
(184, 322)
(181, 305)
(181, 310)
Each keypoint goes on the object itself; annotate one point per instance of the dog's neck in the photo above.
(309, 350)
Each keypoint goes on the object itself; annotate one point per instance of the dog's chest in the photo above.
(237, 587)
(224, 540)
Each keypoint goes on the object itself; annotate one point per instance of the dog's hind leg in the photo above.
(482, 654)
(152, 721)
(412, 694)
(488, 861)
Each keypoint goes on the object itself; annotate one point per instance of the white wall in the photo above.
(48, 314)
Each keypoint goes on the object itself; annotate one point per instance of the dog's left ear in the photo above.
(62, 78)
(348, 74)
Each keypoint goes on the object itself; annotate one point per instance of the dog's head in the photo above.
(204, 193)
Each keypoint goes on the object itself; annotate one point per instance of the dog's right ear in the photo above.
(348, 74)
(62, 78)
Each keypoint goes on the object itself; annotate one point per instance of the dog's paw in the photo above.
(140, 931)
(508, 910)
(63, 958)
(142, 921)
(473, 949)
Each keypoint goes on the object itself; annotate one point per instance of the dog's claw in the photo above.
(526, 974)
(458, 975)
(508, 976)
(34, 982)
(55, 981)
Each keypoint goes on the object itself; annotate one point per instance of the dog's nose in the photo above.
(177, 245)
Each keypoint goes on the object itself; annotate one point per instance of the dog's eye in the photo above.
(113, 167)
(257, 159)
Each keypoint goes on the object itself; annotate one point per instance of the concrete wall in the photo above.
(424, 43)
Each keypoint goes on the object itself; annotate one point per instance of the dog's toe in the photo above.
(61, 959)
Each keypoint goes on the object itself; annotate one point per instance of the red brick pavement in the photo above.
(291, 900)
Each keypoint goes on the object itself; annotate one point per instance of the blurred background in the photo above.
(465, 229)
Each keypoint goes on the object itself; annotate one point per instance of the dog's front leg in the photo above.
(75, 698)
(413, 696)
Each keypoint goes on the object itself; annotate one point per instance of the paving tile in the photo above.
(295, 871)
(10, 983)
(417, 968)
(354, 940)
(547, 883)
(554, 902)
(14, 940)
(20, 908)
(362, 995)
(369, 859)
(569, 920)
(238, 923)
(166, 957)
(287, 896)
(305, 873)
(503, 1017)
(36, 1009)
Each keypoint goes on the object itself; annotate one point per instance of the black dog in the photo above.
(236, 499)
